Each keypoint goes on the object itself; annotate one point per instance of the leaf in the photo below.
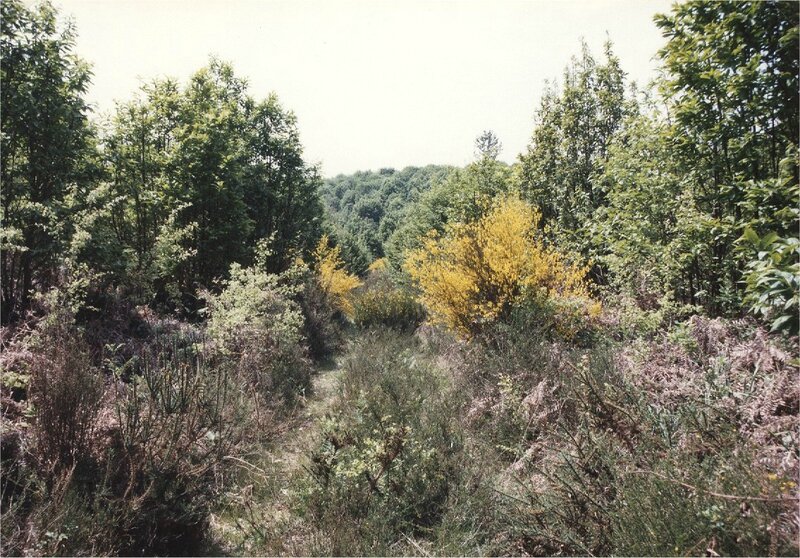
(780, 322)
(750, 236)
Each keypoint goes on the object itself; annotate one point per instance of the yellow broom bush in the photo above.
(333, 278)
(475, 272)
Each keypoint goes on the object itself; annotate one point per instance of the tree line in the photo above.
(184, 180)
(686, 189)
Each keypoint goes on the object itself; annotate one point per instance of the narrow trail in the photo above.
(293, 444)
(260, 518)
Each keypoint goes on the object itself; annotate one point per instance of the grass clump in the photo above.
(380, 302)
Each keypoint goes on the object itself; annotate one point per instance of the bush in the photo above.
(673, 446)
(479, 270)
(322, 327)
(121, 461)
(257, 324)
(332, 276)
(772, 284)
(392, 308)
(391, 452)
(379, 302)
(176, 421)
(66, 392)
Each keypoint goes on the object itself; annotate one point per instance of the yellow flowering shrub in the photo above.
(378, 265)
(475, 272)
(333, 278)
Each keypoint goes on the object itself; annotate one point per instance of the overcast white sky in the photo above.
(373, 83)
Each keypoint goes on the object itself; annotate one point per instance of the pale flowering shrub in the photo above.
(256, 324)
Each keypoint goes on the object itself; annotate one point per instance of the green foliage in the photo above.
(258, 323)
(561, 172)
(732, 92)
(380, 302)
(47, 147)
(202, 172)
(462, 196)
(683, 189)
(773, 280)
(773, 259)
(388, 307)
(633, 230)
(365, 208)
(390, 453)
(254, 299)
(732, 84)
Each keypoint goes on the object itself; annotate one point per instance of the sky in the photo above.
(373, 83)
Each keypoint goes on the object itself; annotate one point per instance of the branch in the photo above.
(716, 494)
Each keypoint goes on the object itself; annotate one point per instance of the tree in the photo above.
(46, 152)
(732, 91)
(139, 151)
(366, 208)
(281, 191)
(464, 195)
(203, 173)
(488, 145)
(633, 231)
(562, 168)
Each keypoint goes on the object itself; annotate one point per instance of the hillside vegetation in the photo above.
(209, 349)
(366, 208)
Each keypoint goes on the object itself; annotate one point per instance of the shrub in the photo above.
(258, 324)
(66, 394)
(678, 445)
(122, 462)
(387, 307)
(334, 280)
(176, 420)
(380, 302)
(322, 328)
(477, 271)
(390, 452)
(772, 280)
(383, 301)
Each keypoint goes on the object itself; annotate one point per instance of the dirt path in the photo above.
(258, 518)
(293, 445)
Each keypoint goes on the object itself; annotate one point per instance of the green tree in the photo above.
(562, 167)
(463, 196)
(732, 91)
(365, 208)
(202, 173)
(632, 232)
(46, 154)
(281, 191)
(138, 152)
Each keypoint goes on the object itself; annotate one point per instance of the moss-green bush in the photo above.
(388, 307)
(391, 451)
(257, 324)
